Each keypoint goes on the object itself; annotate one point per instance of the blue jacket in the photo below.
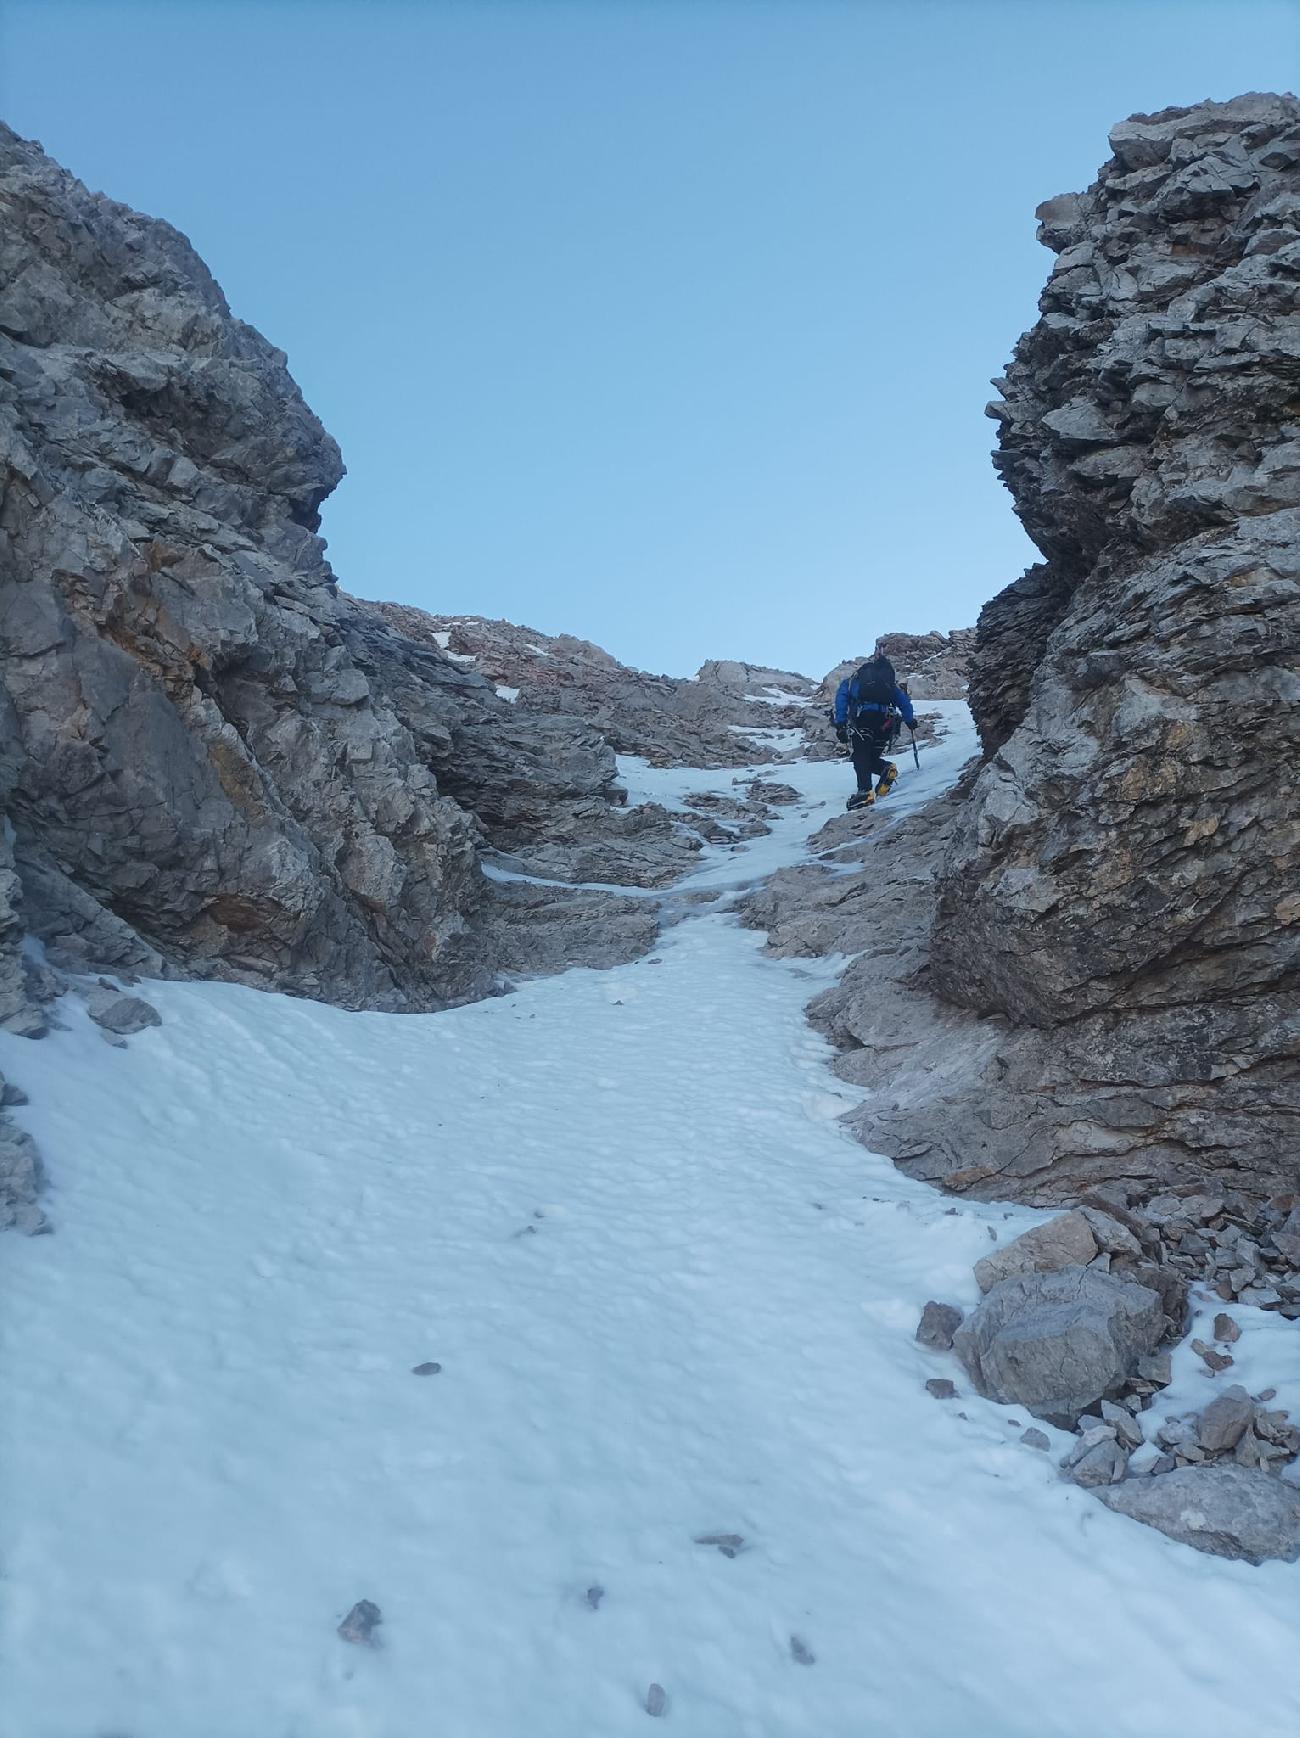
(843, 697)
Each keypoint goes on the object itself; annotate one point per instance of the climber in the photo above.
(869, 706)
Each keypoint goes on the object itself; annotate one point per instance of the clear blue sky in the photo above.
(665, 323)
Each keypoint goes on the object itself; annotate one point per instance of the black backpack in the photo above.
(872, 687)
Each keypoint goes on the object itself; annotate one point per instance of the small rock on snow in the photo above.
(1036, 1439)
(939, 1322)
(119, 1014)
(801, 1652)
(1213, 1360)
(1226, 1330)
(941, 1388)
(429, 1369)
(361, 1622)
(656, 1700)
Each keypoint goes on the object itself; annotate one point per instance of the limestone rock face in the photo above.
(1124, 878)
(212, 763)
(199, 757)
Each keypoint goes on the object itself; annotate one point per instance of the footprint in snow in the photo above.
(594, 1595)
(801, 1652)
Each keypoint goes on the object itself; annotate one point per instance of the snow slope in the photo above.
(669, 1296)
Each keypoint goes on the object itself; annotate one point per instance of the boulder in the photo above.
(1066, 1241)
(1226, 1510)
(1225, 1420)
(1059, 1342)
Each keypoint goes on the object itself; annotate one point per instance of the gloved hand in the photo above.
(842, 732)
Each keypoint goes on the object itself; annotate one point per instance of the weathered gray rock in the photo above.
(1157, 1368)
(360, 1624)
(769, 791)
(22, 1177)
(1222, 1509)
(1215, 1361)
(119, 1013)
(1114, 906)
(1057, 1343)
(1097, 1458)
(939, 1322)
(540, 929)
(941, 1387)
(200, 758)
(1225, 1420)
(1127, 1430)
(1067, 1241)
(1113, 1237)
(1123, 880)
(1034, 1438)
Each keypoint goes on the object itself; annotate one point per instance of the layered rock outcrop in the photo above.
(1096, 978)
(200, 763)
(214, 763)
(1126, 874)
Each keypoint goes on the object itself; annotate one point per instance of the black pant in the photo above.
(869, 755)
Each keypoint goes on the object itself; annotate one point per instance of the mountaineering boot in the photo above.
(886, 782)
(861, 800)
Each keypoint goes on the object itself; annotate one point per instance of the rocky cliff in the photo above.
(1096, 980)
(213, 762)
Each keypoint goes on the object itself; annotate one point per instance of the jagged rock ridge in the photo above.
(721, 717)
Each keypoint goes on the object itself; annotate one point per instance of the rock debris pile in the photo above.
(1075, 1325)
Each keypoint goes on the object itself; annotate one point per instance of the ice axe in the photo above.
(915, 756)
